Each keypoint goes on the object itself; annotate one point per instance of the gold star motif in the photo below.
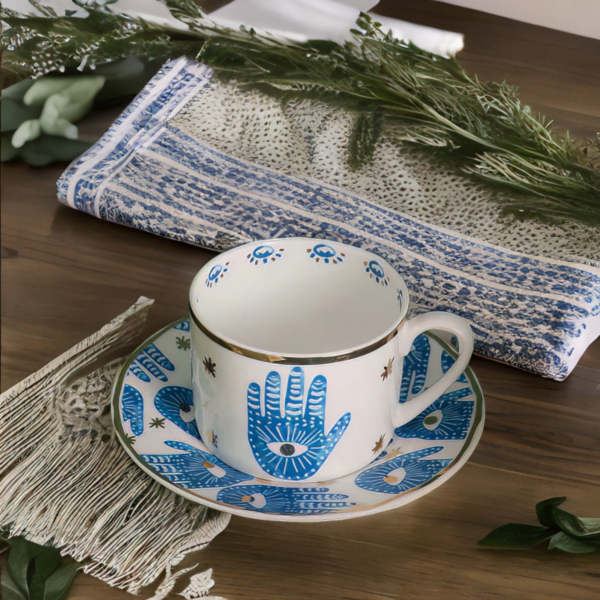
(387, 370)
(209, 366)
(183, 343)
(378, 445)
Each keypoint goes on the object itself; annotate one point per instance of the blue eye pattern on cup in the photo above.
(325, 253)
(151, 362)
(132, 408)
(403, 473)
(216, 274)
(194, 468)
(375, 271)
(280, 500)
(294, 445)
(176, 403)
(264, 254)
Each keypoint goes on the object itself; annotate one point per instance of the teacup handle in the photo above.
(460, 327)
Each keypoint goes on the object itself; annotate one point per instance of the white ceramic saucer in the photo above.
(153, 414)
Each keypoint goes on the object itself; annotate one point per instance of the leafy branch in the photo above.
(565, 531)
(35, 572)
(422, 100)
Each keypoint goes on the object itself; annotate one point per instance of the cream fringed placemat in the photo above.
(66, 481)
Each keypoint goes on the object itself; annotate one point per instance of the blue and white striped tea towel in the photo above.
(154, 170)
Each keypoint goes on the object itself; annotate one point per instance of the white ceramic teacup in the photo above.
(298, 346)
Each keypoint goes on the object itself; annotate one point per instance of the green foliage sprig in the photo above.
(424, 100)
(565, 531)
(35, 572)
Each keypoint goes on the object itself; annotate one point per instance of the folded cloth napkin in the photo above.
(200, 162)
(330, 20)
(298, 20)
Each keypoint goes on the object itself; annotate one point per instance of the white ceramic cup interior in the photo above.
(293, 310)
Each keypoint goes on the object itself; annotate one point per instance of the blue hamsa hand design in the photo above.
(132, 403)
(447, 362)
(414, 370)
(403, 473)
(194, 468)
(280, 500)
(448, 418)
(151, 362)
(176, 403)
(295, 445)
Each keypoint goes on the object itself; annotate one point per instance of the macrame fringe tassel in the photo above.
(66, 481)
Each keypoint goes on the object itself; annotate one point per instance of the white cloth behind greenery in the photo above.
(295, 19)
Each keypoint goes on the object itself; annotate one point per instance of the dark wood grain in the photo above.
(65, 274)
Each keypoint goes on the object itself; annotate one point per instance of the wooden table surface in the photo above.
(65, 274)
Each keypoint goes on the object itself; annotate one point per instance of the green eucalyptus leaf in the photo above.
(44, 87)
(59, 583)
(544, 510)
(585, 530)
(26, 132)
(21, 554)
(592, 525)
(516, 536)
(8, 151)
(564, 542)
(15, 112)
(45, 563)
(17, 91)
(569, 523)
(76, 100)
(48, 148)
(8, 588)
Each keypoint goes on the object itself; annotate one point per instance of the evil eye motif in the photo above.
(375, 271)
(176, 404)
(270, 499)
(264, 254)
(293, 445)
(327, 254)
(216, 274)
(287, 448)
(403, 473)
(194, 468)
